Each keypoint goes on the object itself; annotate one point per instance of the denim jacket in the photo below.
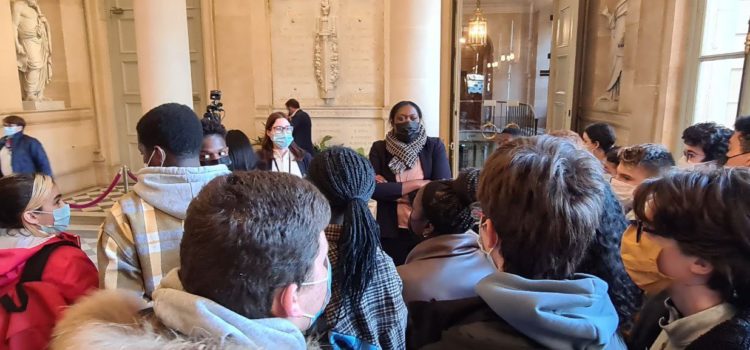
(28, 155)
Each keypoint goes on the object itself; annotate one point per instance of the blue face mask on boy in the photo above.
(328, 279)
(61, 220)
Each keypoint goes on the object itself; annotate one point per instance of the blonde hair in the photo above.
(43, 185)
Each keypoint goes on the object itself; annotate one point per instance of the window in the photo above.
(720, 60)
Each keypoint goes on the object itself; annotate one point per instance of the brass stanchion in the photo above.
(126, 184)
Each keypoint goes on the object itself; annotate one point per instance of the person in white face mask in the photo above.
(20, 153)
(638, 163)
(705, 145)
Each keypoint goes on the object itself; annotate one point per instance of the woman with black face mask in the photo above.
(404, 162)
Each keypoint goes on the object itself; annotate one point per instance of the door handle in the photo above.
(116, 10)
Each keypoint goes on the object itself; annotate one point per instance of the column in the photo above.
(161, 34)
(415, 57)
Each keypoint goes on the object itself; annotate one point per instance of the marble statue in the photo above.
(326, 55)
(616, 26)
(33, 48)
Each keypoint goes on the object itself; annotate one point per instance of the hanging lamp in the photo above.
(477, 28)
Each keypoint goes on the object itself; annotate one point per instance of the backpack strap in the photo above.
(32, 272)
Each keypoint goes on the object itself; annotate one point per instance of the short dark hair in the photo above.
(602, 133)
(544, 197)
(247, 235)
(613, 155)
(347, 179)
(447, 203)
(742, 126)
(712, 138)
(241, 151)
(213, 126)
(292, 103)
(16, 193)
(705, 211)
(173, 127)
(653, 157)
(398, 106)
(15, 120)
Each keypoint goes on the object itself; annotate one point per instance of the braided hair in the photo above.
(447, 204)
(348, 181)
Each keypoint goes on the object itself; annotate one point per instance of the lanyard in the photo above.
(277, 165)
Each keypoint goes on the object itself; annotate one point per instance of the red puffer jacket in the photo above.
(31, 308)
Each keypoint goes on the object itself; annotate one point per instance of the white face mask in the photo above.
(11, 130)
(163, 157)
(481, 246)
(624, 193)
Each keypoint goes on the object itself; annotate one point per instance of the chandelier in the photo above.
(477, 28)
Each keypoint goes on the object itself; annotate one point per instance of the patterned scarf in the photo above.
(405, 155)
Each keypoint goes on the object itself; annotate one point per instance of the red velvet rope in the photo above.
(101, 196)
(132, 177)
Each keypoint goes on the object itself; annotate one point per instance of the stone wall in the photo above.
(69, 135)
(650, 101)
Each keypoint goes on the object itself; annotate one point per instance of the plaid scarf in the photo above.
(405, 155)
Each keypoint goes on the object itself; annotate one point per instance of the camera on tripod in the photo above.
(215, 109)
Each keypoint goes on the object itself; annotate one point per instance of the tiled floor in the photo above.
(90, 195)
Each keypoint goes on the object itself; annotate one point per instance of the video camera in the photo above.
(215, 109)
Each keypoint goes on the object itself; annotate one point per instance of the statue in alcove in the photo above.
(33, 48)
(616, 26)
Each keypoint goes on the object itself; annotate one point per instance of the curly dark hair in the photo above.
(653, 157)
(706, 213)
(711, 137)
(213, 126)
(173, 127)
(603, 260)
(447, 203)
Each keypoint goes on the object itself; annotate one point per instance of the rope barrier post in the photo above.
(125, 182)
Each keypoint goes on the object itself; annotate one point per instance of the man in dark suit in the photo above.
(302, 124)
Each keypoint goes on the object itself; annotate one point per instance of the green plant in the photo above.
(323, 144)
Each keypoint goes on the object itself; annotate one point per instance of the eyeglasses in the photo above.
(641, 228)
(283, 129)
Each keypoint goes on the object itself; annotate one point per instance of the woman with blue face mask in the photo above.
(33, 220)
(278, 150)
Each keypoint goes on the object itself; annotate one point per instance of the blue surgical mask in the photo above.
(61, 220)
(328, 279)
(11, 130)
(282, 140)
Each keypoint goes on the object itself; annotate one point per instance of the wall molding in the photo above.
(59, 116)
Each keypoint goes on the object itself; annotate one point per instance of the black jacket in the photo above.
(733, 334)
(435, 166)
(303, 131)
(461, 324)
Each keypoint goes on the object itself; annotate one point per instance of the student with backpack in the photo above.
(42, 269)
